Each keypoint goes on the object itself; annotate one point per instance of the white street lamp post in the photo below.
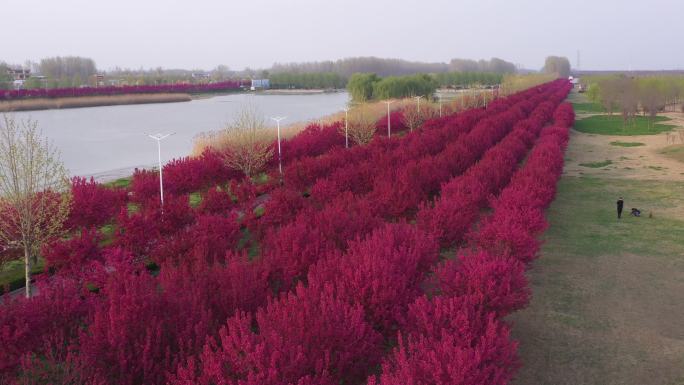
(389, 125)
(280, 158)
(418, 100)
(346, 127)
(159, 138)
(440, 108)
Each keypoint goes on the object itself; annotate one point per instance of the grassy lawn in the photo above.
(132, 207)
(195, 199)
(607, 293)
(626, 144)
(613, 125)
(260, 179)
(588, 108)
(675, 152)
(12, 274)
(120, 183)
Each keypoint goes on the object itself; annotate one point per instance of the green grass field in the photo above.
(587, 224)
(120, 183)
(195, 199)
(600, 164)
(607, 293)
(588, 108)
(12, 274)
(626, 144)
(614, 125)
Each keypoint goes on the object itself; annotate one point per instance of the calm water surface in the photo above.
(108, 142)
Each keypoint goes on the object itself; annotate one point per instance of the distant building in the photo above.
(260, 84)
(97, 80)
(18, 76)
(19, 73)
(201, 75)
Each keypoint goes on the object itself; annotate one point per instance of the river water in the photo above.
(108, 142)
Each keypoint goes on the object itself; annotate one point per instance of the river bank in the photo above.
(114, 139)
(299, 91)
(38, 104)
(90, 101)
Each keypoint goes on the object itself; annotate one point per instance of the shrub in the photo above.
(498, 284)
(457, 353)
(297, 339)
(203, 243)
(42, 326)
(72, 253)
(247, 146)
(144, 185)
(93, 204)
(382, 273)
(216, 201)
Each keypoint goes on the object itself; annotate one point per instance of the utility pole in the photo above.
(389, 129)
(280, 158)
(346, 127)
(159, 138)
(418, 100)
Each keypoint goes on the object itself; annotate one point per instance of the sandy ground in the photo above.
(643, 162)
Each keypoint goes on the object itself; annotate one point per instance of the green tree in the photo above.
(67, 67)
(405, 86)
(32, 83)
(360, 86)
(307, 80)
(5, 78)
(593, 93)
(557, 65)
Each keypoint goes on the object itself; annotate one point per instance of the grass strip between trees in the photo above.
(614, 125)
(626, 144)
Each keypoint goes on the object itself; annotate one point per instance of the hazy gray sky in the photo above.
(611, 34)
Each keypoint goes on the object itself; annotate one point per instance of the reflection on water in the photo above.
(110, 141)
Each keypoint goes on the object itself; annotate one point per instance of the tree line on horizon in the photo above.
(393, 67)
(75, 71)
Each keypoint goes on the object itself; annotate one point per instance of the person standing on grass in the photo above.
(620, 204)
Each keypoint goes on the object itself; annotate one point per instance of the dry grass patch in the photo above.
(675, 152)
(90, 101)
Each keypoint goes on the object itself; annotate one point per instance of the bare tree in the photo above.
(34, 198)
(652, 99)
(627, 98)
(247, 143)
(412, 118)
(362, 124)
(609, 94)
